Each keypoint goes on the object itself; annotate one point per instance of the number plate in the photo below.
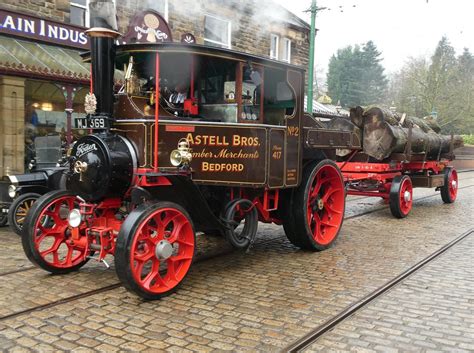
(92, 123)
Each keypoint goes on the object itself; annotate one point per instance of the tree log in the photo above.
(381, 138)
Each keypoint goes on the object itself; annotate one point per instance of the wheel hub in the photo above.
(454, 184)
(407, 196)
(163, 250)
(320, 204)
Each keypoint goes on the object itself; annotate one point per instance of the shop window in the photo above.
(286, 50)
(45, 115)
(274, 42)
(217, 32)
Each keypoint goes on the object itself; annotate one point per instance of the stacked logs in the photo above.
(385, 133)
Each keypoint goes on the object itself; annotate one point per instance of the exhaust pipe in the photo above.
(103, 33)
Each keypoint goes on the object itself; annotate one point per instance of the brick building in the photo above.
(43, 80)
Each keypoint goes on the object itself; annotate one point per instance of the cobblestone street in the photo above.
(267, 298)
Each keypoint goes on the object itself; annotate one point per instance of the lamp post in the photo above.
(312, 35)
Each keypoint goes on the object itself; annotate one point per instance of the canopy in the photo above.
(42, 61)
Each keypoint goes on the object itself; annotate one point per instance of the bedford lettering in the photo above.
(222, 167)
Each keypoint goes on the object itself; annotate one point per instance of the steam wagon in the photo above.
(197, 139)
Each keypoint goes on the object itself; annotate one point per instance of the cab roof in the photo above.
(176, 47)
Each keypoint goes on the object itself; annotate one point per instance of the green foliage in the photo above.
(355, 76)
(444, 84)
(468, 139)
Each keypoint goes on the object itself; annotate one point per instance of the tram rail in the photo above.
(309, 339)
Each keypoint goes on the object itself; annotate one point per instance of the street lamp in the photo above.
(312, 35)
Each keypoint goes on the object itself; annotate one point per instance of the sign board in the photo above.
(38, 29)
(147, 27)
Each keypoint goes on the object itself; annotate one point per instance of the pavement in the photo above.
(262, 300)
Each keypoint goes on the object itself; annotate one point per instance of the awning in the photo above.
(38, 60)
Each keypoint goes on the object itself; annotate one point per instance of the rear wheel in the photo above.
(155, 249)
(401, 196)
(46, 236)
(316, 211)
(449, 191)
(19, 209)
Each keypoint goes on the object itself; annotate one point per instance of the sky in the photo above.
(399, 28)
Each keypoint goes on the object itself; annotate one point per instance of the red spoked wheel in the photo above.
(46, 235)
(401, 196)
(155, 249)
(316, 209)
(449, 191)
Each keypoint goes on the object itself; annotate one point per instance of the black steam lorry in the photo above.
(198, 138)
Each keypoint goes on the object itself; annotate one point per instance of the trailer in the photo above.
(394, 180)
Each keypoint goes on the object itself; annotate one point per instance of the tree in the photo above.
(355, 76)
(373, 78)
(464, 93)
(408, 87)
(444, 84)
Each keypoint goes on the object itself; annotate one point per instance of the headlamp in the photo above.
(12, 191)
(74, 218)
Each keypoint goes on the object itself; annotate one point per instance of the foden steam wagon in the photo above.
(197, 139)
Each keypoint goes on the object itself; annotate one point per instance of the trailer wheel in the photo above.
(46, 234)
(155, 249)
(449, 190)
(19, 209)
(401, 196)
(317, 207)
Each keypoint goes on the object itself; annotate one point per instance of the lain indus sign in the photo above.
(42, 30)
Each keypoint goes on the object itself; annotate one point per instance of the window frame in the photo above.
(229, 32)
(277, 48)
(87, 17)
(286, 48)
(86, 12)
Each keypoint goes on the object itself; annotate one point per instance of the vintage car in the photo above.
(18, 192)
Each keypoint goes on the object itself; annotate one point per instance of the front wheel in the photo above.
(19, 209)
(46, 235)
(155, 249)
(449, 191)
(316, 211)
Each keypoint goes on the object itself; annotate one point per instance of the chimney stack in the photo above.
(103, 33)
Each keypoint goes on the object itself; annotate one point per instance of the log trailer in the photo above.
(395, 157)
(198, 139)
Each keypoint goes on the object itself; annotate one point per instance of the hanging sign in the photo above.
(188, 38)
(147, 27)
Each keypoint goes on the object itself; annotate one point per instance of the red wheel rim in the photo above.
(165, 226)
(405, 196)
(52, 238)
(453, 184)
(325, 208)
